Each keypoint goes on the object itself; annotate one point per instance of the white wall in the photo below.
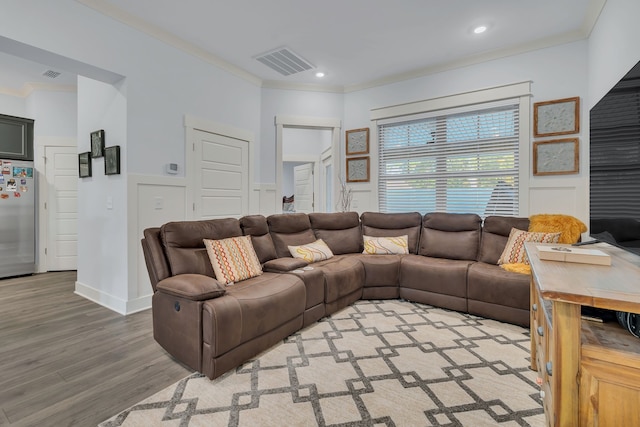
(614, 46)
(55, 113)
(13, 105)
(163, 84)
(291, 103)
(305, 142)
(556, 72)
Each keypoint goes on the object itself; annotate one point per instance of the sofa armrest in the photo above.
(282, 265)
(196, 287)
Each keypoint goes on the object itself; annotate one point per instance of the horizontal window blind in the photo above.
(615, 156)
(451, 161)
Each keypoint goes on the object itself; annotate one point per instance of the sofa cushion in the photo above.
(495, 233)
(250, 309)
(450, 236)
(498, 294)
(233, 259)
(289, 230)
(340, 231)
(377, 224)
(312, 252)
(386, 245)
(381, 271)
(184, 246)
(436, 281)
(256, 226)
(343, 275)
(514, 250)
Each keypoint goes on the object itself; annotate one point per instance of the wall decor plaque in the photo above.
(556, 157)
(358, 169)
(357, 141)
(557, 117)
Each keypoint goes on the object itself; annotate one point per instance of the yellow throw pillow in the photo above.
(233, 259)
(312, 252)
(514, 251)
(571, 228)
(386, 245)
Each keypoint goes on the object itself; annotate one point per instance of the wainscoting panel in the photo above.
(270, 200)
(554, 200)
(153, 201)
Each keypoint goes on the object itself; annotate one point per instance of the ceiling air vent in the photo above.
(284, 61)
(51, 74)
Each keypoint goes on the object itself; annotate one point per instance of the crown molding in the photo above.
(593, 12)
(12, 92)
(471, 60)
(307, 87)
(30, 87)
(168, 38)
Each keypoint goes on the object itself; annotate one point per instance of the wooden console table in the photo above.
(589, 372)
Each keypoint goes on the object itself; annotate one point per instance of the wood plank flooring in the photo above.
(66, 361)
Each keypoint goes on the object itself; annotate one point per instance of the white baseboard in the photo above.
(111, 302)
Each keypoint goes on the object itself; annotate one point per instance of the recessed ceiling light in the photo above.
(481, 29)
(319, 74)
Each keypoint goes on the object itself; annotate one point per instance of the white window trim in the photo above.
(520, 90)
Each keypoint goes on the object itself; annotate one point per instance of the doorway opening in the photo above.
(305, 172)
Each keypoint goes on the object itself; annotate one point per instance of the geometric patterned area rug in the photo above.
(375, 363)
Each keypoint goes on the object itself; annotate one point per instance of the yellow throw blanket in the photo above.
(570, 228)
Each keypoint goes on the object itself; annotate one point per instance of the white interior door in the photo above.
(61, 171)
(303, 188)
(222, 176)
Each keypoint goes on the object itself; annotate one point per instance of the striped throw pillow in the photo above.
(514, 251)
(386, 245)
(233, 259)
(312, 252)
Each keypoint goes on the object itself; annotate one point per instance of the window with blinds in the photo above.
(615, 153)
(457, 162)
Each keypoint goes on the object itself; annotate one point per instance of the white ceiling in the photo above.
(357, 43)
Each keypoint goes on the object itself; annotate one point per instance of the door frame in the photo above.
(326, 159)
(282, 121)
(193, 124)
(42, 187)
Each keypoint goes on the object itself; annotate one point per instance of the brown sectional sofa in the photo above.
(213, 328)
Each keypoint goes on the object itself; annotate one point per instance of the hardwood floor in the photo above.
(66, 361)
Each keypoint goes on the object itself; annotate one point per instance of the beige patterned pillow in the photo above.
(514, 251)
(233, 259)
(386, 245)
(312, 252)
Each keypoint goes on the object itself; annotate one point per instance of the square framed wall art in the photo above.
(358, 169)
(556, 157)
(357, 141)
(557, 117)
(112, 160)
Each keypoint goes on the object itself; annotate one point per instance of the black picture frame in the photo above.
(84, 164)
(112, 160)
(97, 143)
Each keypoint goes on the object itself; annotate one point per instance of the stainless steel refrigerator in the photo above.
(17, 218)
